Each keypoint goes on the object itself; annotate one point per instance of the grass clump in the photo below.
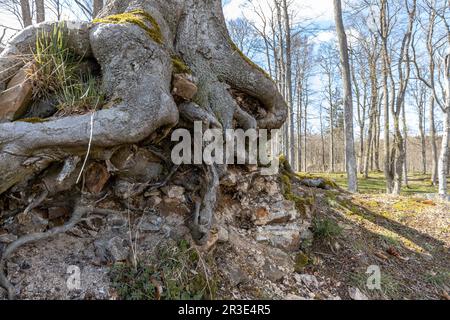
(56, 73)
(179, 66)
(439, 279)
(175, 272)
(326, 229)
(139, 18)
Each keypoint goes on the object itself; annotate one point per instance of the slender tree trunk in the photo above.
(405, 150)
(331, 146)
(350, 158)
(434, 152)
(40, 11)
(290, 98)
(96, 7)
(322, 138)
(423, 146)
(26, 13)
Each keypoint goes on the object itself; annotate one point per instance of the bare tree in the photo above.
(348, 100)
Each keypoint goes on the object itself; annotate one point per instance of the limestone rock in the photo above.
(356, 294)
(308, 280)
(223, 235)
(279, 212)
(174, 193)
(150, 224)
(183, 87)
(112, 250)
(272, 272)
(285, 237)
(15, 100)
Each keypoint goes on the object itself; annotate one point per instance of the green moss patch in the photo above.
(137, 17)
(32, 120)
(248, 60)
(179, 66)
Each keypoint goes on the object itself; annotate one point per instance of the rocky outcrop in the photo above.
(15, 100)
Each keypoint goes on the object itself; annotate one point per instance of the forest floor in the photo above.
(419, 183)
(407, 238)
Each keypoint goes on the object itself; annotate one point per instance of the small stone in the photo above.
(150, 224)
(223, 235)
(117, 249)
(14, 101)
(308, 280)
(291, 296)
(174, 193)
(7, 238)
(356, 294)
(272, 272)
(183, 87)
(212, 240)
(96, 177)
(236, 276)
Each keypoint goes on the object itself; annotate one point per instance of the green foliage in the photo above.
(288, 194)
(139, 18)
(178, 268)
(326, 229)
(80, 96)
(440, 278)
(56, 73)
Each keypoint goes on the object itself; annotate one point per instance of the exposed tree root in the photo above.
(77, 216)
(137, 69)
(204, 208)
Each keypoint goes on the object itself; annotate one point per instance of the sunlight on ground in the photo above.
(418, 183)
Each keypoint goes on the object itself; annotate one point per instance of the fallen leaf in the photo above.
(393, 252)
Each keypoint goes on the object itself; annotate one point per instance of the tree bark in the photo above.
(137, 70)
(96, 7)
(40, 11)
(434, 152)
(348, 101)
(26, 13)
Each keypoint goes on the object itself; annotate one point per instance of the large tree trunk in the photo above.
(137, 69)
(348, 101)
(443, 158)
